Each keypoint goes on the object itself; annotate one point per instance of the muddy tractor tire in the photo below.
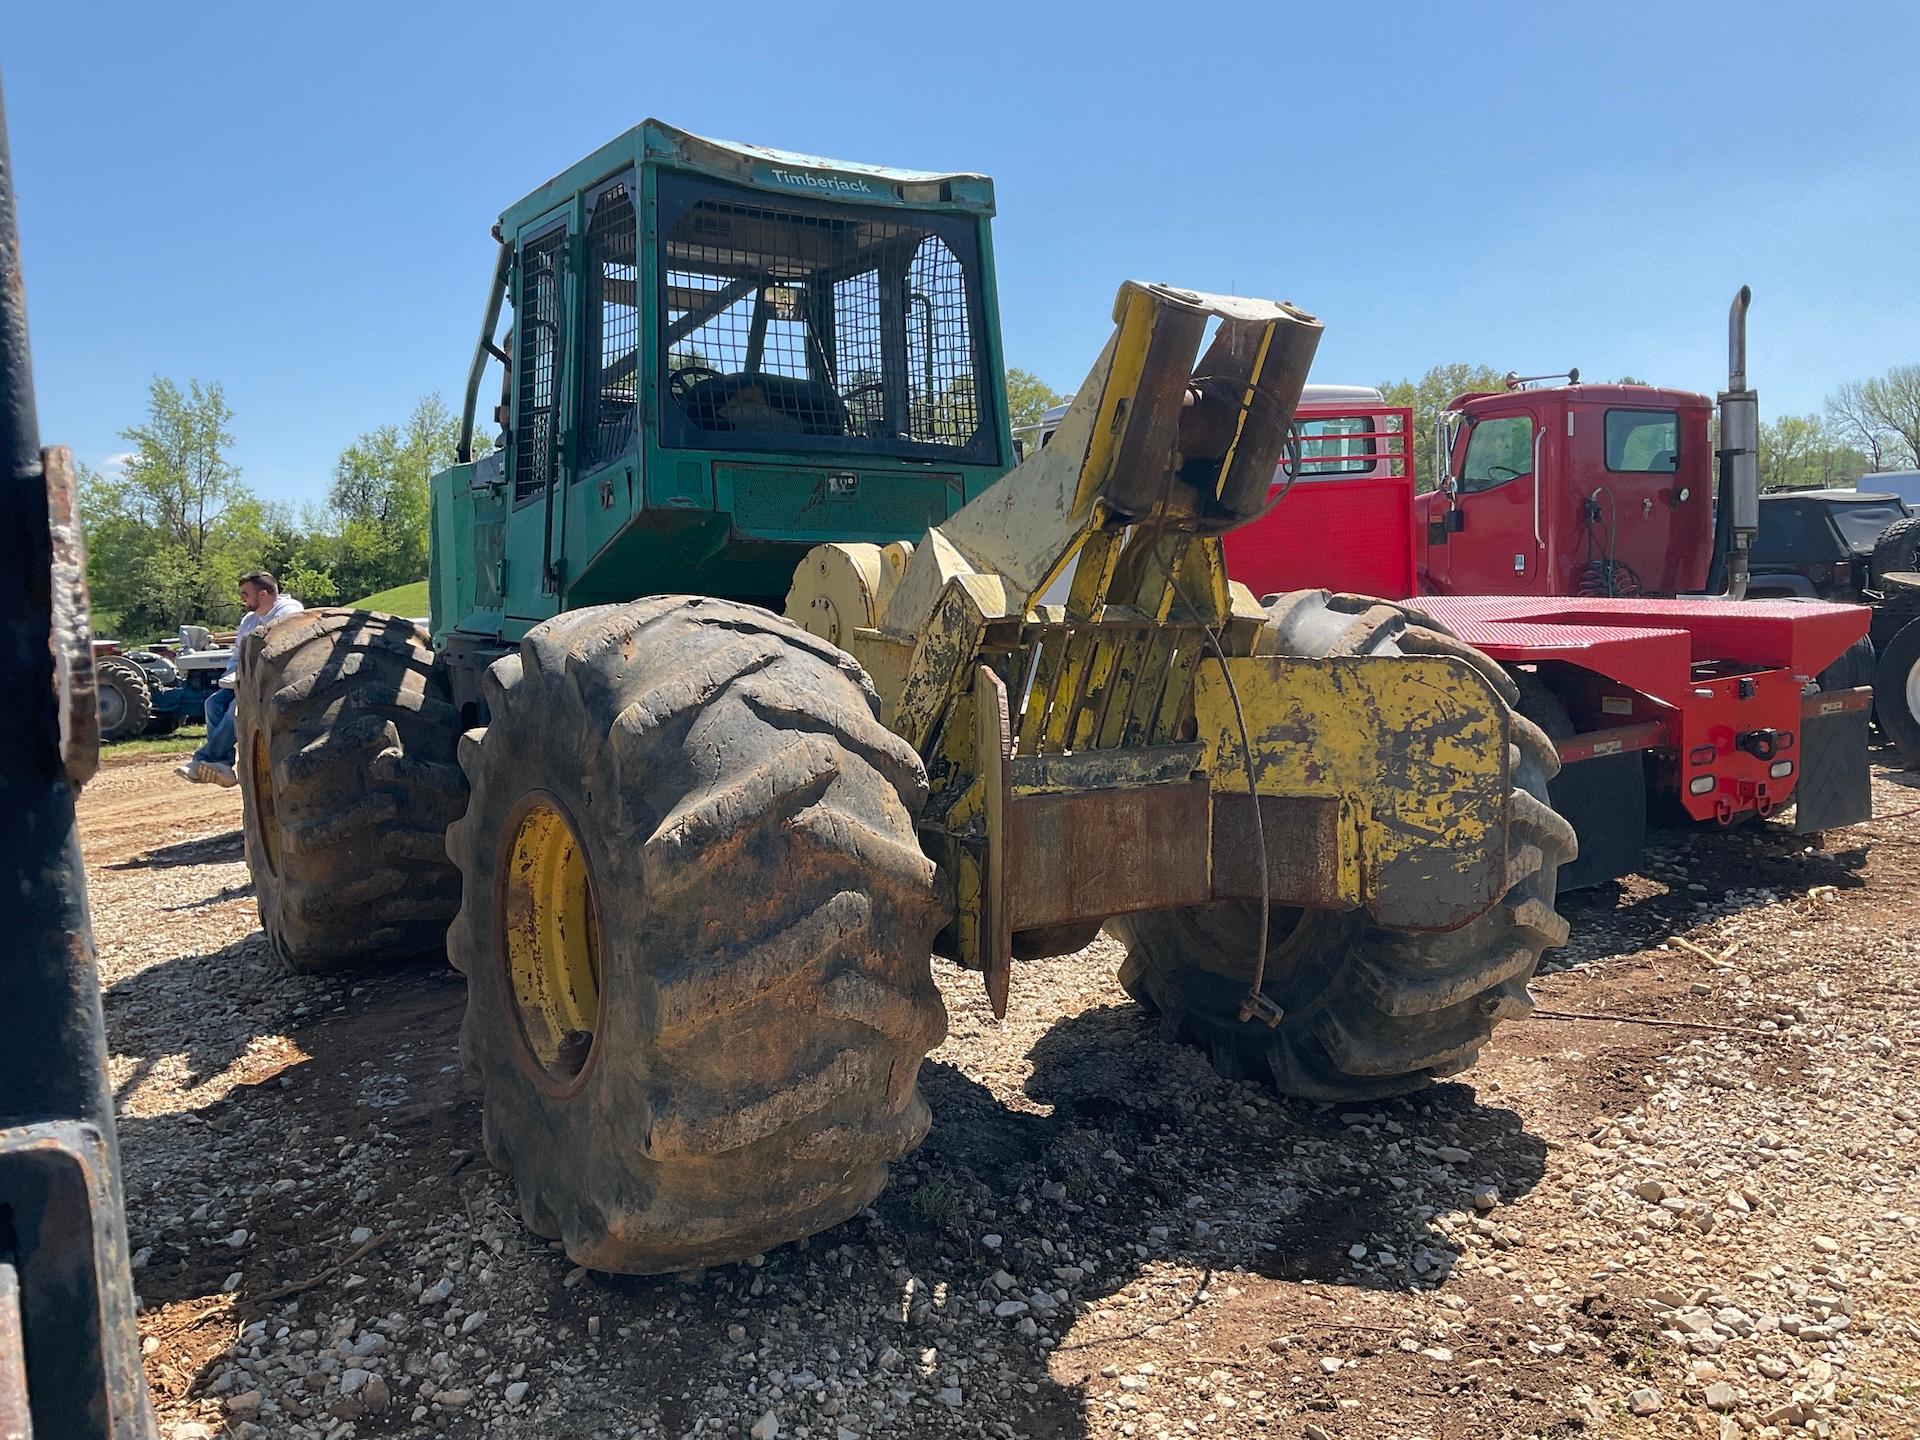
(124, 697)
(346, 755)
(696, 931)
(1367, 1012)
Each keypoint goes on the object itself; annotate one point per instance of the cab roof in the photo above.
(1639, 397)
(657, 143)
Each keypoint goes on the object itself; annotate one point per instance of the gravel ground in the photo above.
(1702, 1226)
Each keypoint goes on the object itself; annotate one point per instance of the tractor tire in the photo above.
(124, 697)
(1896, 693)
(1897, 551)
(346, 741)
(1367, 1012)
(697, 933)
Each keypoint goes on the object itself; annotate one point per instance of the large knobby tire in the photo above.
(1366, 1011)
(697, 933)
(124, 698)
(1897, 551)
(346, 755)
(1896, 693)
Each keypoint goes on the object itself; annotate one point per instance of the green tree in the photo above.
(1028, 398)
(168, 536)
(1804, 451)
(1881, 417)
(379, 501)
(1430, 394)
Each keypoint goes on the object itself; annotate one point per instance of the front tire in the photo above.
(697, 933)
(1366, 1011)
(124, 697)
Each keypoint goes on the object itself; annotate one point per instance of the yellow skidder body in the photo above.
(1099, 757)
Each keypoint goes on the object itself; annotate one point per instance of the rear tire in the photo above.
(346, 740)
(697, 933)
(1367, 1011)
(1856, 667)
(1896, 693)
(124, 697)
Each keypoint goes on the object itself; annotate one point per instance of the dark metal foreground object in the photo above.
(66, 1299)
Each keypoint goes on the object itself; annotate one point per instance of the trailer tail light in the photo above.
(1702, 755)
(1780, 769)
(1701, 785)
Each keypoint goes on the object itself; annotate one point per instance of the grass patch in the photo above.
(183, 741)
(939, 1202)
(409, 601)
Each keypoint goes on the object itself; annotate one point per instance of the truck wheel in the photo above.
(346, 740)
(1896, 693)
(697, 933)
(1897, 551)
(124, 698)
(1856, 666)
(1367, 1011)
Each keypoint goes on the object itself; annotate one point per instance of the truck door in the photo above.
(1493, 542)
(540, 417)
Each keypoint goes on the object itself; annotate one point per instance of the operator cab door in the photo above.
(542, 418)
(1493, 542)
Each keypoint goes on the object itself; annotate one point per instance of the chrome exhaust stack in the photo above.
(1738, 518)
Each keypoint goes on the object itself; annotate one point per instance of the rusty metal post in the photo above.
(67, 1318)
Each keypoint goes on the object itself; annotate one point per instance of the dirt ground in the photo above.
(1681, 1199)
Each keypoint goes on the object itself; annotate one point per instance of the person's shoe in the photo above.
(204, 772)
(190, 770)
(221, 775)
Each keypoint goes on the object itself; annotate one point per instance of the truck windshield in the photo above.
(794, 324)
(1860, 524)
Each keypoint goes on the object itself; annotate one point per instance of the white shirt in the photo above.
(251, 621)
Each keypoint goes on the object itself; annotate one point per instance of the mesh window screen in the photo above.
(831, 327)
(610, 386)
(537, 315)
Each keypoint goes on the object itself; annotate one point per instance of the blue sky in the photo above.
(294, 201)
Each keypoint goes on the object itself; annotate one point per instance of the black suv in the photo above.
(1829, 544)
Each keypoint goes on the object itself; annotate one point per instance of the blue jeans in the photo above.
(218, 747)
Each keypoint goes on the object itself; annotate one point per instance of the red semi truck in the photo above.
(1592, 540)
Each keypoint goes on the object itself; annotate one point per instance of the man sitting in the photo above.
(212, 763)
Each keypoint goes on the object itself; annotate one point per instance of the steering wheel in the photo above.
(870, 388)
(1512, 474)
(680, 384)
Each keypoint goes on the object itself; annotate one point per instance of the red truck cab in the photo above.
(1588, 490)
(1569, 520)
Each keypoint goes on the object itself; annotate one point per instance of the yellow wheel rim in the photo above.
(550, 941)
(264, 818)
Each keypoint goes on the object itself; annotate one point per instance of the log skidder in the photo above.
(708, 852)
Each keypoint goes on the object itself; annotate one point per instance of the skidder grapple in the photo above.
(695, 855)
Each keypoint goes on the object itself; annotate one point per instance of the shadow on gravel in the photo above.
(1727, 866)
(1136, 1164)
(221, 849)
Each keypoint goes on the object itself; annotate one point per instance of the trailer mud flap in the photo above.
(1835, 788)
(1605, 800)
